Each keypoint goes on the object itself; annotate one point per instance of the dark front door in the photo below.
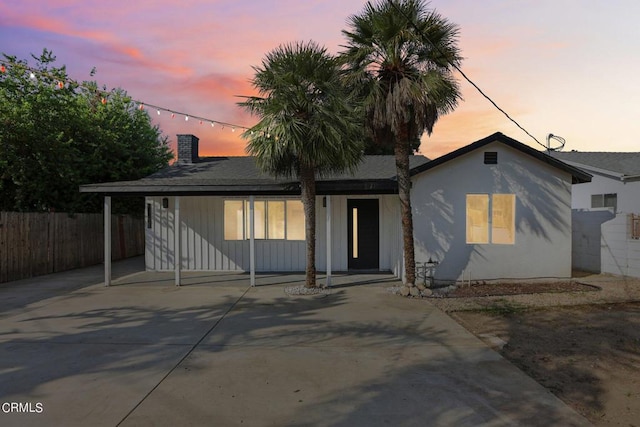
(363, 219)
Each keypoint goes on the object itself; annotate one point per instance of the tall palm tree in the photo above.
(399, 57)
(307, 127)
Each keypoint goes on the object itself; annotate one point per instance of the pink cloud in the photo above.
(109, 42)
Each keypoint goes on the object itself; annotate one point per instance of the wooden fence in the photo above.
(33, 244)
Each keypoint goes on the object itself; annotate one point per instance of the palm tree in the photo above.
(307, 127)
(399, 57)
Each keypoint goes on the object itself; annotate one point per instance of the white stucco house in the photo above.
(606, 212)
(495, 209)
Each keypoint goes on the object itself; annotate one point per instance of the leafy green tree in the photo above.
(307, 124)
(398, 58)
(56, 134)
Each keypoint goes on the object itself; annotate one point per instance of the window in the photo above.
(497, 228)
(635, 226)
(273, 220)
(604, 200)
(503, 219)
(295, 220)
(233, 220)
(477, 218)
(275, 210)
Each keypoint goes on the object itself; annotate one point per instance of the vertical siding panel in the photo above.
(194, 230)
(213, 235)
(218, 240)
(203, 246)
(281, 255)
(199, 261)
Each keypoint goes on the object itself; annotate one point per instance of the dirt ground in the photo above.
(587, 354)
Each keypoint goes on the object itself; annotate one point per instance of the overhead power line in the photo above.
(462, 73)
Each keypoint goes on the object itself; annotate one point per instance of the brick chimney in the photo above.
(187, 149)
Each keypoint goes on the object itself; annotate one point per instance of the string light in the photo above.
(141, 105)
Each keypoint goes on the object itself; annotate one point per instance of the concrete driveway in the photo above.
(217, 352)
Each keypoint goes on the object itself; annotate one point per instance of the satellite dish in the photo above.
(557, 138)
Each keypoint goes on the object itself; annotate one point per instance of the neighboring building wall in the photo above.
(586, 237)
(602, 233)
(628, 193)
(542, 245)
(620, 253)
(204, 248)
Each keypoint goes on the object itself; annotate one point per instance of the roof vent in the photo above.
(490, 157)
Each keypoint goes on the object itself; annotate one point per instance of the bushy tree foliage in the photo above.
(57, 134)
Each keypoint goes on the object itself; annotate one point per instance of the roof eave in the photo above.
(578, 175)
(322, 188)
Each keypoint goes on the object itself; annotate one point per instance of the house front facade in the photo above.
(495, 209)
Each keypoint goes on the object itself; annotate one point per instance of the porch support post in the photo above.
(328, 240)
(176, 240)
(252, 241)
(107, 240)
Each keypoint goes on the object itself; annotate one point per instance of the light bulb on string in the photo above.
(103, 95)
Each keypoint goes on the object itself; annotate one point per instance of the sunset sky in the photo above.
(567, 67)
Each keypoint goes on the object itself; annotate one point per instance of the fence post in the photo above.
(107, 240)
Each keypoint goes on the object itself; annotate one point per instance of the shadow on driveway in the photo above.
(229, 354)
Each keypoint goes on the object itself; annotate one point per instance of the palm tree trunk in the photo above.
(308, 187)
(401, 150)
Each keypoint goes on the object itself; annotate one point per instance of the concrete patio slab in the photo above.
(219, 352)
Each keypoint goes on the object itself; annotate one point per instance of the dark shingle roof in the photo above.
(225, 175)
(625, 164)
(240, 175)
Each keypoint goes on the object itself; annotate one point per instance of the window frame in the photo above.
(601, 201)
(489, 219)
(265, 234)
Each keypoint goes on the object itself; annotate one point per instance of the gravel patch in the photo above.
(609, 289)
(302, 290)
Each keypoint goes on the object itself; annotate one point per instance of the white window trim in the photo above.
(490, 219)
(245, 216)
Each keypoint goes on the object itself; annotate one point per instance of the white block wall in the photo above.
(620, 254)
